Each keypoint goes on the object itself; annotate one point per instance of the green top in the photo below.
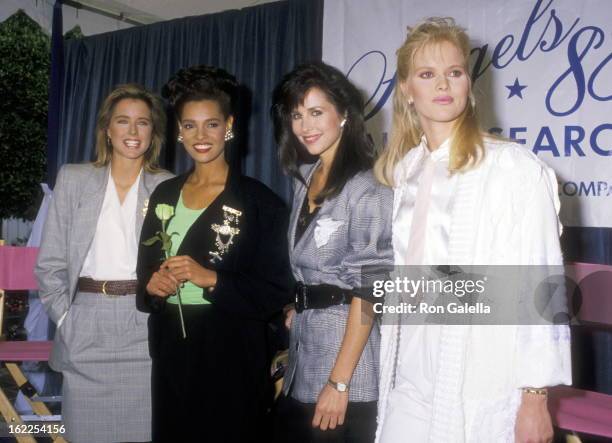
(179, 225)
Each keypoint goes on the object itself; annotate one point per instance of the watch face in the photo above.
(341, 387)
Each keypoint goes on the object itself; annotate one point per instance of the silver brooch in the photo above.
(225, 232)
(145, 207)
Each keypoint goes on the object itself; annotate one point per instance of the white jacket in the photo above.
(504, 213)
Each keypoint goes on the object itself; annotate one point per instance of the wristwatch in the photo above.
(338, 386)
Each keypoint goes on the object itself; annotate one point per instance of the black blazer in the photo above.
(254, 279)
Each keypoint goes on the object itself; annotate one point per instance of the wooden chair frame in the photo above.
(10, 354)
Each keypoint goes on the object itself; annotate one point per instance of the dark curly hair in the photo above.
(355, 151)
(202, 82)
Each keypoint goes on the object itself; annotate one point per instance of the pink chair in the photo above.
(576, 409)
(17, 273)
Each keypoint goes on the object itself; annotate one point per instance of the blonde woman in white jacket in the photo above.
(464, 198)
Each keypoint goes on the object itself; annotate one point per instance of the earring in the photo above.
(410, 102)
(109, 142)
(179, 138)
(229, 134)
(343, 122)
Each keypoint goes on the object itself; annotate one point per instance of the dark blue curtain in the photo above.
(55, 91)
(258, 45)
(588, 245)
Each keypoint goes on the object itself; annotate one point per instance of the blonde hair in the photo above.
(466, 148)
(104, 149)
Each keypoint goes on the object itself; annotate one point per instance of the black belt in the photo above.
(320, 296)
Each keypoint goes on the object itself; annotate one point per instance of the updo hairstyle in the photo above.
(202, 82)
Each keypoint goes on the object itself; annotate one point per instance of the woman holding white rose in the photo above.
(86, 271)
(229, 265)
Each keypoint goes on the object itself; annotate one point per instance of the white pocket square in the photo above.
(324, 229)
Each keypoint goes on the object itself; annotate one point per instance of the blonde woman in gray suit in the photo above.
(340, 223)
(86, 272)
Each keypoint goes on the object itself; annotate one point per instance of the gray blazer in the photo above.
(351, 230)
(70, 228)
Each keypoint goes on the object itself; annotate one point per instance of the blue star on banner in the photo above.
(516, 89)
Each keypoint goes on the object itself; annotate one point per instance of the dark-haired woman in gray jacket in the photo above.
(340, 223)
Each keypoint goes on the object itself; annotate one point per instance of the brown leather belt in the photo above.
(110, 288)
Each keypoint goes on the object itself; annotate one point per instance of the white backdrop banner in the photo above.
(542, 72)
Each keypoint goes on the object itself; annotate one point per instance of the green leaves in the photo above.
(164, 213)
(25, 61)
(151, 241)
(24, 78)
(166, 241)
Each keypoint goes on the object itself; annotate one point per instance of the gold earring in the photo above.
(229, 134)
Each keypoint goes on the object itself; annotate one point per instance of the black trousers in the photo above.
(293, 423)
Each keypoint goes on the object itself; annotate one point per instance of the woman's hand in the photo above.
(184, 268)
(331, 404)
(162, 283)
(533, 423)
(331, 408)
(289, 313)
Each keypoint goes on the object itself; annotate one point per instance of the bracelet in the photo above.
(537, 391)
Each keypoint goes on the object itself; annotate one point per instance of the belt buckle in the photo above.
(106, 293)
(301, 291)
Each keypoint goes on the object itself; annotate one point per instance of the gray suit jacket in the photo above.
(70, 228)
(351, 230)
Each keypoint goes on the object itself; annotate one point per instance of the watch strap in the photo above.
(338, 386)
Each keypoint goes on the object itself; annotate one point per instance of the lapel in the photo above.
(145, 188)
(200, 237)
(403, 170)
(199, 240)
(409, 163)
(173, 192)
(465, 227)
(465, 215)
(87, 212)
(300, 194)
